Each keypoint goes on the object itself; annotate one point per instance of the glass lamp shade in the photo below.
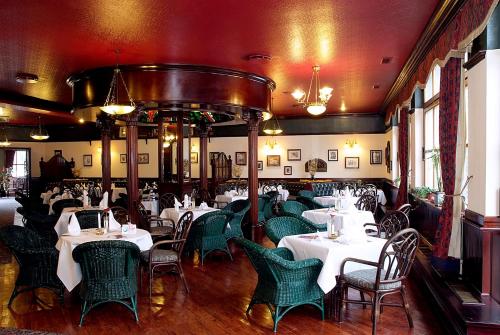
(39, 137)
(270, 131)
(166, 144)
(266, 116)
(5, 143)
(298, 94)
(117, 109)
(316, 109)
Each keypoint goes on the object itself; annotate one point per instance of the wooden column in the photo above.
(132, 167)
(105, 123)
(180, 151)
(161, 152)
(253, 118)
(203, 159)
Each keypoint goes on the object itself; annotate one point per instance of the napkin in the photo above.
(113, 224)
(280, 188)
(104, 202)
(186, 201)
(227, 194)
(347, 192)
(203, 205)
(46, 197)
(177, 204)
(56, 190)
(74, 226)
(85, 198)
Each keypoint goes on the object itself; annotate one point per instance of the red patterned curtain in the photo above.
(449, 102)
(403, 157)
(9, 158)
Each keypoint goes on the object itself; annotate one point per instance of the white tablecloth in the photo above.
(115, 192)
(330, 201)
(151, 205)
(69, 271)
(62, 223)
(332, 254)
(225, 199)
(171, 213)
(340, 218)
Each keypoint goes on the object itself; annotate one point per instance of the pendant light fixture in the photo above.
(316, 99)
(39, 133)
(5, 142)
(272, 126)
(111, 105)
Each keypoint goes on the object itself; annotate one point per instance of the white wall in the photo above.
(312, 146)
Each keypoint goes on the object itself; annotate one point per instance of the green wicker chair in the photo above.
(282, 282)
(109, 271)
(310, 203)
(239, 208)
(37, 261)
(88, 218)
(263, 201)
(307, 194)
(210, 235)
(279, 227)
(293, 207)
(59, 205)
(271, 203)
(42, 224)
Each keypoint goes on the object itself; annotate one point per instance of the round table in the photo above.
(69, 271)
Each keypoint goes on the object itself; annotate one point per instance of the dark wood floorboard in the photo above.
(220, 293)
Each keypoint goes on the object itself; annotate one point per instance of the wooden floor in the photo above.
(220, 293)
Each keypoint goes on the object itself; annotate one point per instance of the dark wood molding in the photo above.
(22, 100)
(474, 60)
(492, 222)
(442, 16)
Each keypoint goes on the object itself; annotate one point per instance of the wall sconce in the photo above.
(351, 147)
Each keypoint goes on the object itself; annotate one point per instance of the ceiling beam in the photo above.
(21, 100)
(444, 13)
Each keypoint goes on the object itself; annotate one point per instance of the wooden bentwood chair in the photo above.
(159, 256)
(392, 223)
(387, 276)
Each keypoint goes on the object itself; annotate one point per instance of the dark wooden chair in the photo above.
(167, 200)
(120, 214)
(157, 226)
(367, 202)
(392, 223)
(159, 256)
(387, 276)
(405, 208)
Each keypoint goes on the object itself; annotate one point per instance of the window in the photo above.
(19, 168)
(432, 168)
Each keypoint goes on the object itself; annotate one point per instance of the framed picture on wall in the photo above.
(123, 158)
(273, 160)
(122, 132)
(57, 152)
(260, 165)
(143, 158)
(375, 156)
(333, 155)
(241, 158)
(287, 170)
(352, 162)
(194, 157)
(87, 160)
(294, 155)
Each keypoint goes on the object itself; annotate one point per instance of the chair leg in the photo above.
(276, 318)
(250, 306)
(229, 253)
(341, 304)
(362, 297)
(13, 295)
(83, 313)
(150, 275)
(181, 274)
(375, 312)
(406, 306)
(134, 307)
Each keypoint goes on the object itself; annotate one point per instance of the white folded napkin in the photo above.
(203, 205)
(85, 198)
(56, 190)
(113, 224)
(186, 201)
(177, 204)
(280, 187)
(74, 226)
(104, 202)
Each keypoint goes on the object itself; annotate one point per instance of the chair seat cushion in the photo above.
(366, 279)
(160, 256)
(162, 230)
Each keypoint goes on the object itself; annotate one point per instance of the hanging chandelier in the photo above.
(271, 125)
(316, 99)
(39, 133)
(168, 139)
(111, 105)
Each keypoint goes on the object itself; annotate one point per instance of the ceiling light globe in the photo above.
(298, 94)
(316, 109)
(117, 109)
(266, 116)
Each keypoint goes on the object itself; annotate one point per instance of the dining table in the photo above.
(341, 218)
(69, 271)
(175, 214)
(332, 253)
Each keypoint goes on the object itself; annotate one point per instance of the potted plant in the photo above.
(436, 164)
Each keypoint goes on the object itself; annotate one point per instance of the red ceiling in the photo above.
(54, 39)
